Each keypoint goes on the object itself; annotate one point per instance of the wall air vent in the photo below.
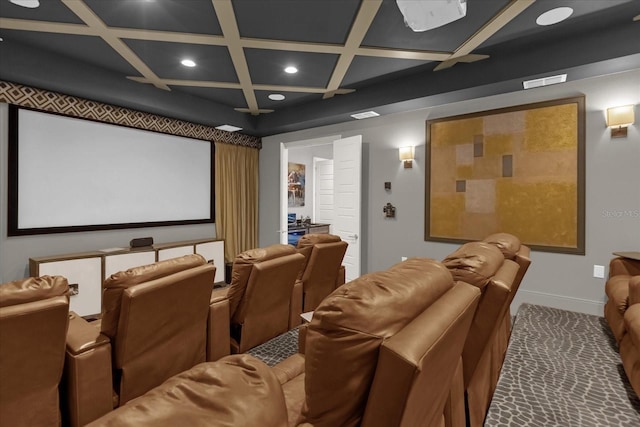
(545, 81)
(365, 115)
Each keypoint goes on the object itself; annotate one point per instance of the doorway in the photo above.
(347, 171)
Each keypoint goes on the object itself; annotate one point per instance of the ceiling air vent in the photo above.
(365, 115)
(545, 81)
(228, 128)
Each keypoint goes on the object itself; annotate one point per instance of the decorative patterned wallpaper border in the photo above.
(55, 102)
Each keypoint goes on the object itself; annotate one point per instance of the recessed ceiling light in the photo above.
(365, 115)
(554, 16)
(276, 97)
(291, 70)
(228, 128)
(188, 63)
(31, 4)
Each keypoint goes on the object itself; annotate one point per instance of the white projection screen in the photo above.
(69, 174)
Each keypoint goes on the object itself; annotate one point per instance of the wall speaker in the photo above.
(141, 242)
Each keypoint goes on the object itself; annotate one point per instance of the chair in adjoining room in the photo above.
(153, 326)
(483, 265)
(380, 351)
(621, 270)
(33, 327)
(256, 306)
(323, 271)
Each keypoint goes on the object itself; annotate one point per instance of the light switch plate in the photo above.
(598, 271)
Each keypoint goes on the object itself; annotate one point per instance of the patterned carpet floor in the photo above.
(562, 369)
(277, 349)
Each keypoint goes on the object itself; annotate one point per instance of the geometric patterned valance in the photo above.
(55, 102)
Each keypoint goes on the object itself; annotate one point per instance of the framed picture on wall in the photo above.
(518, 170)
(295, 184)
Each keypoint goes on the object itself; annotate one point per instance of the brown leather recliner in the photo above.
(33, 326)
(617, 289)
(483, 265)
(381, 351)
(153, 326)
(257, 303)
(322, 272)
(512, 249)
(629, 345)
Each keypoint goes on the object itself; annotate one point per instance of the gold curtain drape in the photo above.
(236, 173)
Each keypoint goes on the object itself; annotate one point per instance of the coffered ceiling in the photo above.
(351, 55)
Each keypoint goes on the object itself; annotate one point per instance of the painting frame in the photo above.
(296, 185)
(536, 133)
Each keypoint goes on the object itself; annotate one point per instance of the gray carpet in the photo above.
(562, 369)
(277, 349)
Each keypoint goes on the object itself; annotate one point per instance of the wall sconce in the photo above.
(618, 119)
(406, 155)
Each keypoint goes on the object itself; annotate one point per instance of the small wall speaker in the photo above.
(141, 242)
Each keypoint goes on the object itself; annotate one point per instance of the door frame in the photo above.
(284, 160)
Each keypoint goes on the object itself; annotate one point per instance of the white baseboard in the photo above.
(557, 301)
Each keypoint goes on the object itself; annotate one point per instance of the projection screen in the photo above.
(69, 174)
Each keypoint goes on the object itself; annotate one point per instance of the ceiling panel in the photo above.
(213, 62)
(291, 98)
(188, 16)
(367, 67)
(83, 48)
(301, 20)
(337, 45)
(49, 10)
(389, 29)
(230, 97)
(524, 25)
(267, 67)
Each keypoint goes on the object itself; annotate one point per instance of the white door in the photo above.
(347, 179)
(323, 197)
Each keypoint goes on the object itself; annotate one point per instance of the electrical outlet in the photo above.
(404, 258)
(598, 271)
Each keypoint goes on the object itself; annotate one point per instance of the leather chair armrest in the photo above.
(634, 290)
(87, 387)
(295, 306)
(302, 337)
(289, 368)
(454, 415)
(83, 336)
(219, 294)
(342, 277)
(218, 326)
(488, 317)
(620, 266)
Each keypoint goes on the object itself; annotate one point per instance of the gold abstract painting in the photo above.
(517, 170)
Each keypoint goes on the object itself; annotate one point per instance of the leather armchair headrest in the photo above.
(311, 239)
(508, 244)
(348, 327)
(475, 263)
(32, 289)
(115, 285)
(242, 265)
(308, 241)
